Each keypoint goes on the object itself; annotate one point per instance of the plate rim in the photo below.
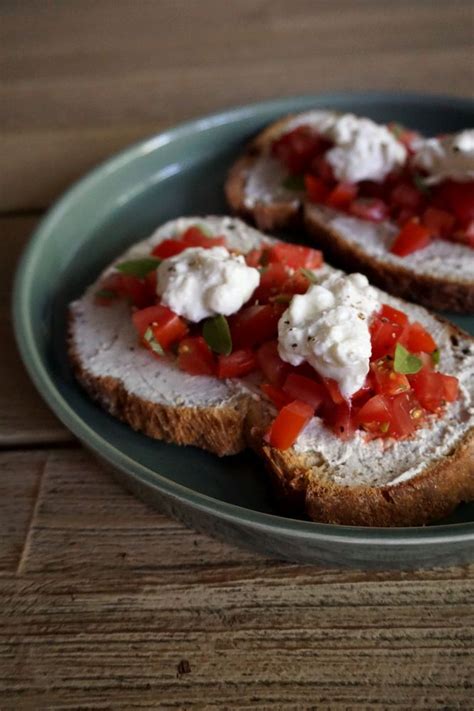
(233, 513)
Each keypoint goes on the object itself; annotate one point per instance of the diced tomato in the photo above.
(288, 424)
(111, 286)
(169, 248)
(439, 222)
(195, 357)
(371, 209)
(393, 315)
(195, 237)
(295, 256)
(297, 283)
(387, 381)
(363, 392)
(450, 387)
(384, 335)
(323, 169)
(406, 195)
(339, 418)
(272, 366)
(158, 315)
(169, 330)
(271, 282)
(402, 421)
(457, 198)
(237, 364)
(316, 189)
(342, 195)
(426, 360)
(126, 287)
(406, 214)
(411, 237)
(253, 257)
(434, 389)
(297, 148)
(464, 236)
(333, 389)
(136, 291)
(255, 324)
(276, 395)
(416, 338)
(150, 285)
(375, 412)
(300, 388)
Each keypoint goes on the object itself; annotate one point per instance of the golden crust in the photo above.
(303, 488)
(435, 293)
(219, 430)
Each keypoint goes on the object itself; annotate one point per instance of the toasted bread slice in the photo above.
(441, 276)
(410, 482)
(371, 483)
(153, 395)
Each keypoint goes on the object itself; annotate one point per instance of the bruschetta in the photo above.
(378, 199)
(211, 333)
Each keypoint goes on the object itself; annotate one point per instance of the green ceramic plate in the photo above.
(181, 172)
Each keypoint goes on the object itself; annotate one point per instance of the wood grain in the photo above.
(81, 79)
(115, 606)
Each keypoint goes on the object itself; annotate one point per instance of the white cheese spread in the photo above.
(198, 282)
(449, 157)
(440, 259)
(329, 328)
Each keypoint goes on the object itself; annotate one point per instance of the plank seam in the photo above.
(27, 542)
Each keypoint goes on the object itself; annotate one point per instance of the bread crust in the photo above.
(219, 430)
(433, 292)
(278, 216)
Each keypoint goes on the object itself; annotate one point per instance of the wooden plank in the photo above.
(19, 486)
(24, 417)
(115, 606)
(79, 84)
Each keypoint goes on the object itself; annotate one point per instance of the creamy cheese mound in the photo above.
(363, 150)
(449, 157)
(329, 328)
(198, 282)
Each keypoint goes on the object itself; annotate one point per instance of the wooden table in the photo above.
(106, 604)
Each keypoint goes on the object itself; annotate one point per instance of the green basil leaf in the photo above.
(419, 182)
(138, 267)
(293, 182)
(309, 275)
(216, 333)
(435, 356)
(384, 426)
(405, 362)
(106, 294)
(152, 342)
(282, 298)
